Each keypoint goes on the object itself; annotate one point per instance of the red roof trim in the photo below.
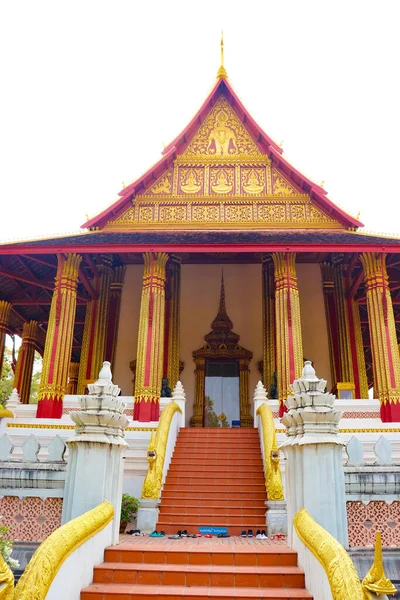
(266, 144)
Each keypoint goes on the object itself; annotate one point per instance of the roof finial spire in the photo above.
(222, 74)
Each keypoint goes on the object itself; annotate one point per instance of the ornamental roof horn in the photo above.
(222, 74)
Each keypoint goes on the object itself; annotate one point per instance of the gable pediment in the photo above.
(222, 172)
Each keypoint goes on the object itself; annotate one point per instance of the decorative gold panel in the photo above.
(222, 211)
(163, 185)
(281, 186)
(253, 181)
(222, 134)
(222, 180)
(191, 180)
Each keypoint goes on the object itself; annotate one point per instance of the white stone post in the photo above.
(95, 467)
(14, 402)
(314, 470)
(179, 396)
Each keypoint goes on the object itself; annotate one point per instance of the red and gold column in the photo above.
(4, 314)
(114, 307)
(343, 332)
(26, 356)
(328, 287)
(60, 330)
(357, 350)
(172, 321)
(150, 353)
(95, 329)
(289, 344)
(73, 379)
(385, 354)
(268, 320)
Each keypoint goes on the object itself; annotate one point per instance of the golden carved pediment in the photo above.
(222, 180)
(222, 134)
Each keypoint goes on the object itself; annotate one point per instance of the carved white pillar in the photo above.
(95, 467)
(314, 470)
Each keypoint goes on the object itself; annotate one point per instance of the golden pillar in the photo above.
(73, 379)
(173, 332)
(357, 349)
(343, 331)
(4, 314)
(26, 357)
(114, 307)
(268, 320)
(328, 287)
(150, 353)
(289, 344)
(198, 407)
(95, 328)
(60, 331)
(246, 420)
(385, 355)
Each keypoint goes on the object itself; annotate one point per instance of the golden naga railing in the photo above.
(156, 453)
(51, 554)
(273, 475)
(339, 568)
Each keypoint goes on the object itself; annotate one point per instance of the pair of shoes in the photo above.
(157, 534)
(183, 533)
(208, 535)
(261, 535)
(248, 534)
(175, 537)
(278, 536)
(134, 532)
(223, 535)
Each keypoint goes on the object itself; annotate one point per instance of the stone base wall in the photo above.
(364, 519)
(30, 519)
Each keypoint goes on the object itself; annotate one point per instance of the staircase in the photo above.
(172, 569)
(215, 478)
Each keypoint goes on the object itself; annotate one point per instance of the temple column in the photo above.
(385, 354)
(172, 321)
(268, 320)
(289, 344)
(328, 287)
(4, 314)
(26, 357)
(198, 406)
(73, 379)
(114, 307)
(357, 350)
(246, 420)
(60, 331)
(150, 354)
(343, 331)
(95, 328)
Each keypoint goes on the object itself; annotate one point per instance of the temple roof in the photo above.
(262, 145)
(267, 240)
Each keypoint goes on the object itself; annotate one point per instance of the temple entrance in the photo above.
(221, 394)
(222, 376)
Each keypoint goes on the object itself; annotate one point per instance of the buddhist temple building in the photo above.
(216, 267)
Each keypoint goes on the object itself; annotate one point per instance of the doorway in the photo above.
(221, 393)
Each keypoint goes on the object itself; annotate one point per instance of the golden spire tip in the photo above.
(222, 74)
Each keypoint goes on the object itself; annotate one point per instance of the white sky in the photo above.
(92, 90)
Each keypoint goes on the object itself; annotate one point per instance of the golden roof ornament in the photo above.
(222, 74)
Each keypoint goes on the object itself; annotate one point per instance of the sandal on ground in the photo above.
(175, 537)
